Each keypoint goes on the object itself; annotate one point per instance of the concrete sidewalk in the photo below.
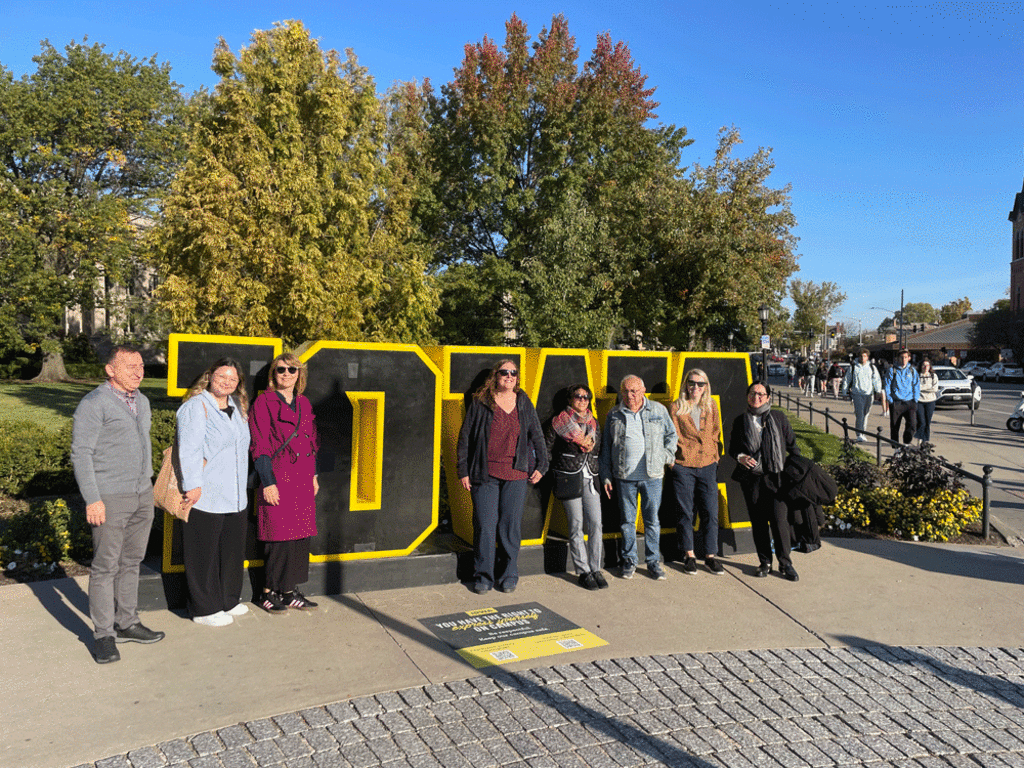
(61, 709)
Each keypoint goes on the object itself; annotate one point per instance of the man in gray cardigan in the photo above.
(113, 462)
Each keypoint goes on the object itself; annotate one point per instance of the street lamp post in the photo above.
(762, 312)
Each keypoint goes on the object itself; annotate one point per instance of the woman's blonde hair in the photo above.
(704, 402)
(288, 358)
(486, 392)
(241, 393)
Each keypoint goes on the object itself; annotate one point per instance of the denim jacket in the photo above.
(659, 441)
(206, 432)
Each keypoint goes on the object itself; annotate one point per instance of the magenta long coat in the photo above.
(271, 421)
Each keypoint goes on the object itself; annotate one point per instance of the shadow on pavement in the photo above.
(59, 597)
(984, 564)
(987, 685)
(661, 750)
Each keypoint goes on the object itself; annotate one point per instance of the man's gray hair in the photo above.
(630, 378)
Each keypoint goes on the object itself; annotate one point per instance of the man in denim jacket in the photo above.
(639, 441)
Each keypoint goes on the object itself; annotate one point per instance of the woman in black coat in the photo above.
(760, 440)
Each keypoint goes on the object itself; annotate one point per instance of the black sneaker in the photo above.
(600, 580)
(713, 565)
(587, 581)
(105, 651)
(296, 599)
(138, 634)
(272, 603)
(690, 565)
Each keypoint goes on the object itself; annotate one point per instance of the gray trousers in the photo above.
(584, 517)
(118, 547)
(861, 409)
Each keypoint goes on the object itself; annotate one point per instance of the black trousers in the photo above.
(906, 411)
(769, 519)
(214, 549)
(287, 564)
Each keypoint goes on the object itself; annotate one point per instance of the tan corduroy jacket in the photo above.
(696, 447)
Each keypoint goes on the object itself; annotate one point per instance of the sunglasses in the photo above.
(286, 369)
(507, 372)
(581, 397)
(698, 384)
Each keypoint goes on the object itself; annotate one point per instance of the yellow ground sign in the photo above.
(492, 636)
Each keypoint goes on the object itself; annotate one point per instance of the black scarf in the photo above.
(763, 435)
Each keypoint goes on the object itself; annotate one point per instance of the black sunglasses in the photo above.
(697, 384)
(286, 369)
(581, 397)
(507, 372)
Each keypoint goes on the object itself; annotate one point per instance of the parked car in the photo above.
(955, 387)
(1003, 372)
(974, 367)
(774, 369)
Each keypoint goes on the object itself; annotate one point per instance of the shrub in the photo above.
(852, 472)
(34, 459)
(48, 533)
(161, 435)
(919, 472)
(939, 516)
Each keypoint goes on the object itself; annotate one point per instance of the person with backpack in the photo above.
(863, 382)
(902, 391)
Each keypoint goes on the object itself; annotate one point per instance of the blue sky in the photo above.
(900, 128)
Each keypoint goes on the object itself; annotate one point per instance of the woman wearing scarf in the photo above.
(760, 440)
(574, 444)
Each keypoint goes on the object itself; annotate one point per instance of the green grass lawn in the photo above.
(52, 405)
(816, 445)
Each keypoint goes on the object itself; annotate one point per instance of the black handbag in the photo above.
(568, 485)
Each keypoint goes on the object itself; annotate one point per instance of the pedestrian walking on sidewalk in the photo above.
(862, 382)
(926, 402)
(902, 391)
(113, 462)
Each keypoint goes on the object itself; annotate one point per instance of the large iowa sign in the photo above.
(389, 417)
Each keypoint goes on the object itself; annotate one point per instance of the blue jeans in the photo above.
(497, 519)
(697, 487)
(650, 501)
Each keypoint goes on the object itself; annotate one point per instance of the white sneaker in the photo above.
(218, 619)
(240, 609)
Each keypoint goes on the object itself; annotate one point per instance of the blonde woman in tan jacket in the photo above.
(695, 471)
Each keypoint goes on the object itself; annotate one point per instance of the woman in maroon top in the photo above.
(501, 448)
(284, 446)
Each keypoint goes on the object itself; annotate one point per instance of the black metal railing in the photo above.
(798, 406)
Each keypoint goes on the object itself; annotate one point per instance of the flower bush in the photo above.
(912, 496)
(44, 536)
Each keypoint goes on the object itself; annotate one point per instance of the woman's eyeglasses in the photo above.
(697, 384)
(581, 397)
(507, 372)
(286, 369)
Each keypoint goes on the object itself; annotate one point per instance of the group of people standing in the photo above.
(217, 431)
(502, 448)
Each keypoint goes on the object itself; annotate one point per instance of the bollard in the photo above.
(826, 420)
(986, 484)
(878, 447)
(846, 430)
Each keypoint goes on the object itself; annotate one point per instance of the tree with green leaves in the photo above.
(286, 220)
(717, 245)
(1000, 329)
(920, 312)
(535, 172)
(954, 310)
(88, 143)
(815, 305)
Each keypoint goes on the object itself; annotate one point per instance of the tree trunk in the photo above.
(53, 369)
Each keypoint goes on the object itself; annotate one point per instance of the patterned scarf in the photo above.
(575, 427)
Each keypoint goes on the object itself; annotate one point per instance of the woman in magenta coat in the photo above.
(284, 446)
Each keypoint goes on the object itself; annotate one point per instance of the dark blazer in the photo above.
(738, 444)
(471, 451)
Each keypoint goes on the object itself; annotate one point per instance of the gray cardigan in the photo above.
(110, 448)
